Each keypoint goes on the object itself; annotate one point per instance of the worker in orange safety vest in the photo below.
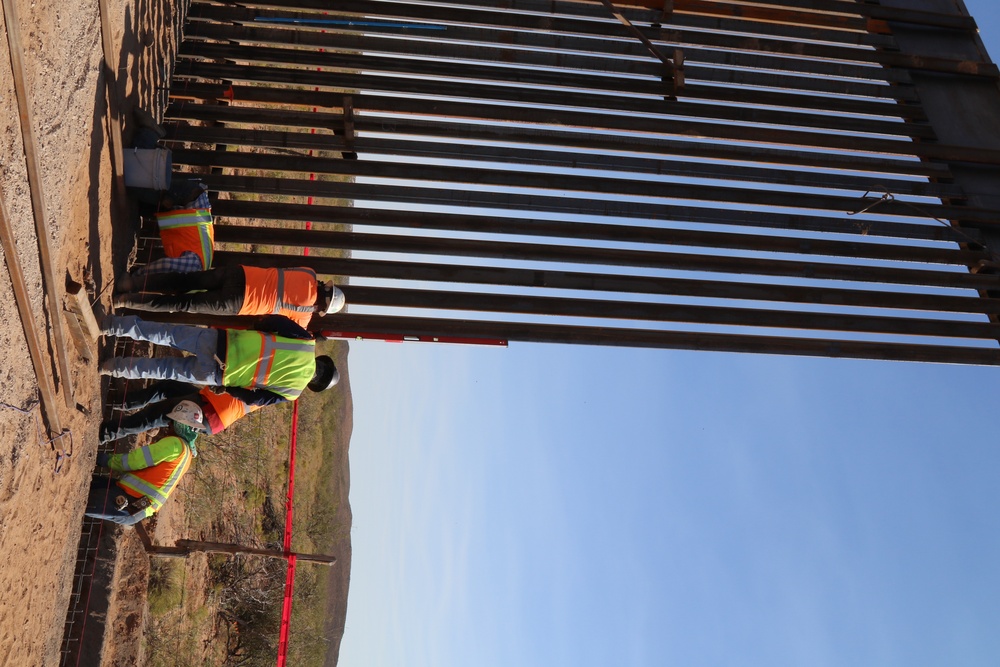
(156, 402)
(294, 293)
(187, 232)
(140, 481)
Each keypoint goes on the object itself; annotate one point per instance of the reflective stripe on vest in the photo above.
(256, 360)
(147, 459)
(280, 304)
(188, 217)
(263, 374)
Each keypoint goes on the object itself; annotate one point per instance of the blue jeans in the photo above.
(101, 503)
(202, 343)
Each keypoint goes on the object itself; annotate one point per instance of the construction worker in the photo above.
(273, 363)
(140, 481)
(188, 231)
(183, 212)
(156, 404)
(237, 290)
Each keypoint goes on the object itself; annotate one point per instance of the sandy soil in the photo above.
(40, 511)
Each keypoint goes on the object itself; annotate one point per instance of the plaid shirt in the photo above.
(186, 263)
(201, 202)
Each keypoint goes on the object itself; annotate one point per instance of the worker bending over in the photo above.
(156, 404)
(236, 290)
(140, 481)
(273, 363)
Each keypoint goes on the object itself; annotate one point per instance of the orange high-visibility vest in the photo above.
(188, 230)
(227, 409)
(288, 292)
(153, 471)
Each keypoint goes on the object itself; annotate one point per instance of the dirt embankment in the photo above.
(40, 511)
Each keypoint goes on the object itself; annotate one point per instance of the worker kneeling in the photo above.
(140, 481)
(273, 363)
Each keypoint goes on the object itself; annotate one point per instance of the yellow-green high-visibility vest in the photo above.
(257, 360)
(153, 471)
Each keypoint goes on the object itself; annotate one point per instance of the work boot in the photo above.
(126, 300)
(105, 433)
(106, 324)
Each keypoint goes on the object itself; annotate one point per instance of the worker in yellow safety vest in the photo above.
(140, 481)
(273, 363)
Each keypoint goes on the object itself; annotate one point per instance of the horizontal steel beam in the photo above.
(584, 184)
(450, 300)
(522, 249)
(462, 145)
(594, 91)
(573, 228)
(622, 337)
(515, 123)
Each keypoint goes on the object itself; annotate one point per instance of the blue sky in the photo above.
(543, 505)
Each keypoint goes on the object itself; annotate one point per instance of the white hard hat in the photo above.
(335, 300)
(189, 414)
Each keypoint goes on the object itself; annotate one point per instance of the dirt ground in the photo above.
(40, 511)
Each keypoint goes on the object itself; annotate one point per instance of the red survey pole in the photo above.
(286, 607)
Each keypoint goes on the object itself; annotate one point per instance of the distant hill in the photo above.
(339, 578)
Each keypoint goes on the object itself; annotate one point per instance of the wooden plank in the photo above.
(46, 390)
(80, 318)
(79, 303)
(34, 168)
(83, 345)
